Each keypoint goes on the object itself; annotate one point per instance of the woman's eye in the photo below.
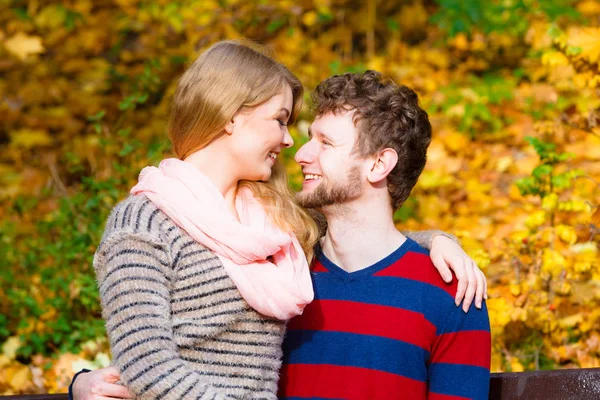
(281, 122)
(326, 143)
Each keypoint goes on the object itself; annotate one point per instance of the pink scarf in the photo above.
(277, 289)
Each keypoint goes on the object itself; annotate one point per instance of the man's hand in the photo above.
(100, 385)
(446, 255)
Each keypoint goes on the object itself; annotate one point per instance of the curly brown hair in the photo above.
(386, 115)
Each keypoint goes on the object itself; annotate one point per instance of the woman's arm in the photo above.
(446, 254)
(134, 273)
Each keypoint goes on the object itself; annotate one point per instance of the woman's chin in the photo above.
(262, 176)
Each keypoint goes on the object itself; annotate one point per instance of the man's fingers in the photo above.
(110, 374)
(113, 391)
(440, 264)
(471, 287)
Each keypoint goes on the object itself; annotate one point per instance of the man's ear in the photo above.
(383, 163)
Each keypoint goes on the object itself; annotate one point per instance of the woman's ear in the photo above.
(383, 163)
(236, 120)
(230, 125)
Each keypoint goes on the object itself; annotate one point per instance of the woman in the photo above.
(201, 266)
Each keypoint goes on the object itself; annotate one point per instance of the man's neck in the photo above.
(358, 236)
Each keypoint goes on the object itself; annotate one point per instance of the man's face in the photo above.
(332, 174)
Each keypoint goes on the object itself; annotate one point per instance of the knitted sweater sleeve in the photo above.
(133, 272)
(424, 238)
(459, 362)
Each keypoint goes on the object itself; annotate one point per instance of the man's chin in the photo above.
(304, 200)
(309, 201)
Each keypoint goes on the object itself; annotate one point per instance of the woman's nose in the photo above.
(287, 140)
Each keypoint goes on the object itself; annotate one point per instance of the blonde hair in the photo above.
(225, 79)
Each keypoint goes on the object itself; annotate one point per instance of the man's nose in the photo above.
(305, 154)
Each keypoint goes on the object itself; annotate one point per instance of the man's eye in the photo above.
(326, 143)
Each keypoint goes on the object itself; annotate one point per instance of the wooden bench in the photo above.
(563, 384)
(566, 384)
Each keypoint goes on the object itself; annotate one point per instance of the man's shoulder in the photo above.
(416, 265)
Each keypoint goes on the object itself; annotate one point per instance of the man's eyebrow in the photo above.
(319, 133)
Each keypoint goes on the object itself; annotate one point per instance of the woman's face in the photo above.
(259, 134)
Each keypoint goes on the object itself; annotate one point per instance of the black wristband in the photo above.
(73, 381)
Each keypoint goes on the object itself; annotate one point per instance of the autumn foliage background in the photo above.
(512, 88)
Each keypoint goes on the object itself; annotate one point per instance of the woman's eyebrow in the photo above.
(286, 111)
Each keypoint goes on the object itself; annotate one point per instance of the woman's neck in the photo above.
(224, 180)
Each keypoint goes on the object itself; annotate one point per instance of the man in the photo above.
(383, 324)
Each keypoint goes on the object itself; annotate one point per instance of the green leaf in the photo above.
(96, 117)
(527, 185)
(22, 14)
(562, 181)
(127, 149)
(392, 24)
(124, 132)
(542, 171)
(276, 24)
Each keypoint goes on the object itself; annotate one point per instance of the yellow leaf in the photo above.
(535, 219)
(503, 163)
(499, 312)
(413, 18)
(588, 148)
(460, 42)
(570, 321)
(553, 58)
(4, 361)
(515, 289)
(564, 289)
(550, 202)
(376, 63)
(10, 347)
(496, 362)
(567, 234)
(310, 18)
(596, 217)
(552, 262)
(588, 40)
(28, 138)
(456, 142)
(18, 377)
(434, 179)
(22, 45)
(51, 17)
(516, 366)
(589, 7)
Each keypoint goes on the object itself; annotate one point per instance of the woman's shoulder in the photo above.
(139, 216)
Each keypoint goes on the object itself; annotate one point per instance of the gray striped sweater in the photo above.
(177, 325)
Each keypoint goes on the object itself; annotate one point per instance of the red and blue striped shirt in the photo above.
(389, 331)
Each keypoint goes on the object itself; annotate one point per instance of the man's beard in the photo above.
(334, 193)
